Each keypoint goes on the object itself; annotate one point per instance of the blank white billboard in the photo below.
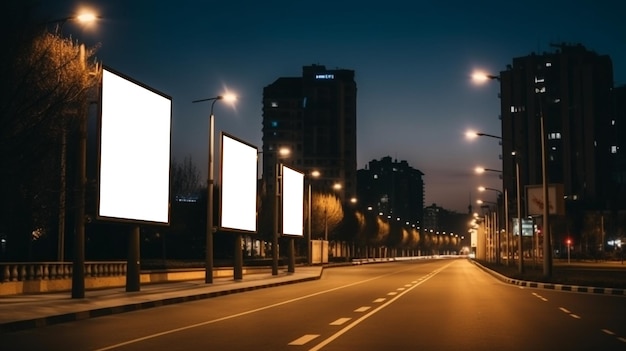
(293, 202)
(134, 151)
(239, 185)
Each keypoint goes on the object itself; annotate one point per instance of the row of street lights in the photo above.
(547, 250)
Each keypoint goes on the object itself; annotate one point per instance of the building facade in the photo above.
(392, 188)
(314, 117)
(571, 89)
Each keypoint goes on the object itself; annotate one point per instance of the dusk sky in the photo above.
(412, 63)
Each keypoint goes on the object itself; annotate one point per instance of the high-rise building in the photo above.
(617, 199)
(571, 89)
(314, 116)
(392, 188)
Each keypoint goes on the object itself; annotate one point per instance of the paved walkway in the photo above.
(37, 310)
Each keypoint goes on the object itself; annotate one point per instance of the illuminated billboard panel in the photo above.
(239, 185)
(134, 174)
(293, 202)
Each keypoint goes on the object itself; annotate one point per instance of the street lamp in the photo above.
(481, 77)
(231, 98)
(78, 265)
(314, 174)
(84, 17)
(282, 152)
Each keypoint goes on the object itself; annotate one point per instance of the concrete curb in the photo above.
(106, 311)
(552, 286)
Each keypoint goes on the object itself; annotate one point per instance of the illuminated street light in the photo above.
(480, 170)
(230, 98)
(481, 77)
(281, 153)
(313, 175)
(78, 264)
(470, 134)
(85, 17)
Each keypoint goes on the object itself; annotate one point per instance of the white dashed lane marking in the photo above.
(340, 321)
(304, 339)
(540, 297)
(379, 300)
(362, 309)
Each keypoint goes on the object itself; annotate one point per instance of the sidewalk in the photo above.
(37, 310)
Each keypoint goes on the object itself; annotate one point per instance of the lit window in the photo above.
(539, 80)
(375, 176)
(274, 104)
(614, 149)
(548, 64)
(274, 124)
(554, 136)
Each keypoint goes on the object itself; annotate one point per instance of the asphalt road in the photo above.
(447, 304)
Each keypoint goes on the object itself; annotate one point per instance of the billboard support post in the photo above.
(78, 265)
(132, 263)
(291, 268)
(279, 167)
(238, 266)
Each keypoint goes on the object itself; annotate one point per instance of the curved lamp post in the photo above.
(208, 276)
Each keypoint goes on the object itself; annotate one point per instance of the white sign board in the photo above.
(134, 174)
(535, 202)
(239, 185)
(293, 202)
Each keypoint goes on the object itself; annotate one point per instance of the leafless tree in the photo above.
(44, 83)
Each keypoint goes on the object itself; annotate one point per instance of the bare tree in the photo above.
(44, 83)
(185, 177)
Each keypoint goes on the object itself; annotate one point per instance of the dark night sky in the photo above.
(412, 62)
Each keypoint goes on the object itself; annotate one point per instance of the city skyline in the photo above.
(412, 66)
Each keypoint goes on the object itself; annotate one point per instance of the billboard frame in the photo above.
(107, 218)
(283, 207)
(221, 193)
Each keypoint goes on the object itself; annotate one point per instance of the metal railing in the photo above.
(23, 271)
